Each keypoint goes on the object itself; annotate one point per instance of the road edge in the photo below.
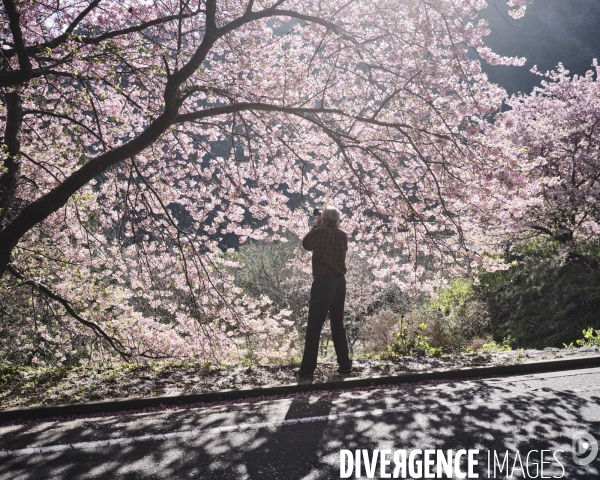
(139, 403)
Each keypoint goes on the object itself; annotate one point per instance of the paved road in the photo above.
(301, 437)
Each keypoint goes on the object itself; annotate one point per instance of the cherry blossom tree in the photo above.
(543, 171)
(136, 133)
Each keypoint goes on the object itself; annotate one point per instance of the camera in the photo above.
(317, 212)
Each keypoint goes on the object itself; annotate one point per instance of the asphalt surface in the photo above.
(301, 437)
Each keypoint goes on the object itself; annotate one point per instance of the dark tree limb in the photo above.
(9, 173)
(14, 19)
(26, 72)
(244, 106)
(114, 343)
(94, 40)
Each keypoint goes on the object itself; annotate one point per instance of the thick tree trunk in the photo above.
(9, 173)
(10, 165)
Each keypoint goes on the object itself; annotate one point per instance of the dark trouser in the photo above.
(327, 294)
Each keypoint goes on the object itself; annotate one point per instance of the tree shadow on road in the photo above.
(463, 415)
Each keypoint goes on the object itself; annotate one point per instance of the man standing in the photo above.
(328, 293)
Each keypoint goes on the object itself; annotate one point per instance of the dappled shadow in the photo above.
(483, 415)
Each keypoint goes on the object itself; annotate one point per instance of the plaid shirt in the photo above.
(329, 245)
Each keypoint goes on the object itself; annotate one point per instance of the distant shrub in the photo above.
(476, 344)
(492, 346)
(379, 331)
(454, 318)
(411, 341)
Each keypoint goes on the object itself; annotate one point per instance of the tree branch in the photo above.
(15, 27)
(114, 343)
(250, 16)
(242, 106)
(26, 72)
(105, 36)
(65, 117)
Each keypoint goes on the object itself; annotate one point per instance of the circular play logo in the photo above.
(585, 448)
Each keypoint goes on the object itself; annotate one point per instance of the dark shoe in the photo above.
(304, 375)
(345, 371)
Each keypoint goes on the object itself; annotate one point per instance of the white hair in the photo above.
(331, 215)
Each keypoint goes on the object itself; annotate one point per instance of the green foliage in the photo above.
(266, 272)
(591, 338)
(454, 318)
(542, 247)
(378, 331)
(492, 346)
(453, 299)
(411, 342)
(541, 301)
(250, 359)
(7, 373)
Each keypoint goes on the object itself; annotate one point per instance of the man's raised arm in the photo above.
(309, 242)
